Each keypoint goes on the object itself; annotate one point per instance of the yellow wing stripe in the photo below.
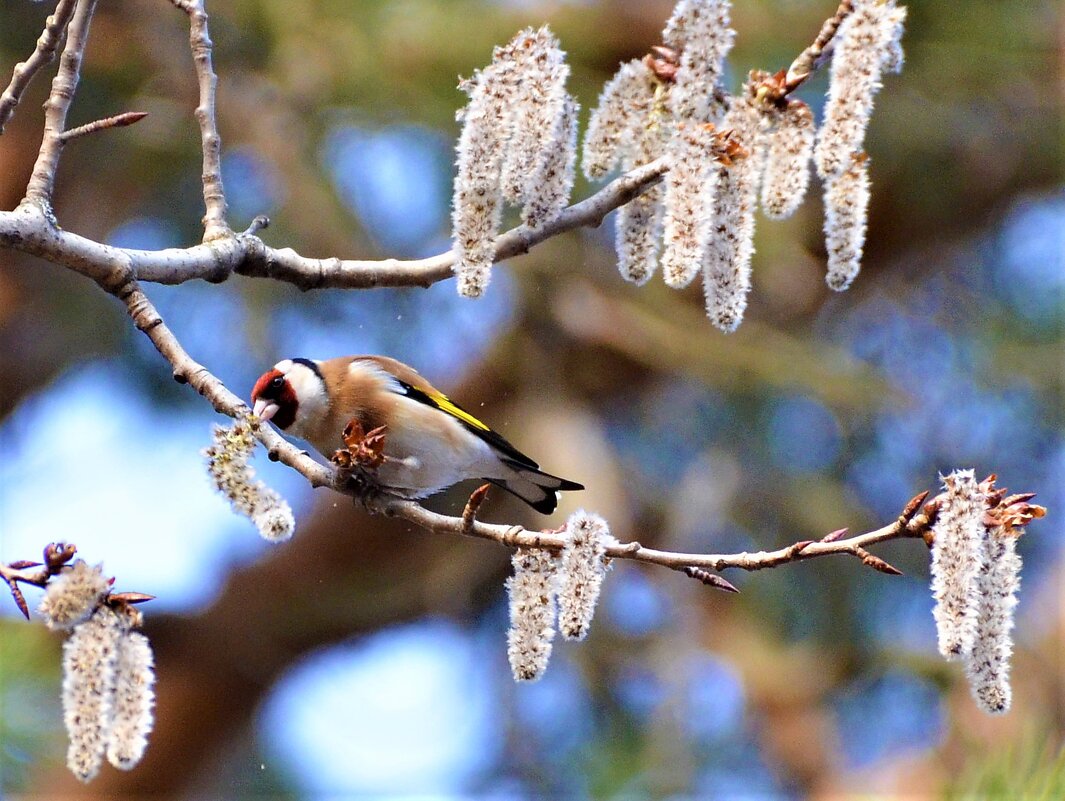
(444, 404)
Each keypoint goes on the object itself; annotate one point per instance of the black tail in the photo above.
(538, 489)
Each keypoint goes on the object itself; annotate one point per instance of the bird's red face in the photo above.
(275, 399)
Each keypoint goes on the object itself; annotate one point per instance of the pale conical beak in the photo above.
(265, 409)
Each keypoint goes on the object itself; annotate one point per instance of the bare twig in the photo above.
(117, 121)
(65, 83)
(469, 514)
(214, 196)
(56, 555)
(24, 71)
(805, 65)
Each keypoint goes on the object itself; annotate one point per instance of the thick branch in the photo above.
(24, 71)
(214, 196)
(29, 231)
(65, 83)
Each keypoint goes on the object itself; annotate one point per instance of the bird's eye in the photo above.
(278, 382)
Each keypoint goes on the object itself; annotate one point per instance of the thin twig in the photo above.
(214, 196)
(117, 121)
(805, 65)
(25, 71)
(65, 83)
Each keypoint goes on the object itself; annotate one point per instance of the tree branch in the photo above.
(117, 121)
(25, 71)
(246, 254)
(42, 180)
(214, 196)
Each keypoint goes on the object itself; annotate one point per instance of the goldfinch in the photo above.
(430, 441)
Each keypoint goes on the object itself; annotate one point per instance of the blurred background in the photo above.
(365, 658)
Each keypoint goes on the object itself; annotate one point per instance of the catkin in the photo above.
(531, 593)
(987, 665)
(957, 553)
(580, 576)
(727, 267)
(691, 184)
(866, 42)
(787, 162)
(846, 215)
(701, 31)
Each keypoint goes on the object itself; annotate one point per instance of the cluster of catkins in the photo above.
(549, 589)
(723, 151)
(227, 464)
(108, 671)
(975, 576)
(518, 145)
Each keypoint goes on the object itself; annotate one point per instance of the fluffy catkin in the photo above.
(554, 176)
(227, 464)
(701, 31)
(134, 697)
(90, 659)
(727, 267)
(866, 42)
(638, 231)
(688, 202)
(580, 576)
(987, 665)
(477, 200)
(532, 612)
(957, 553)
(617, 119)
(73, 595)
(846, 215)
(536, 106)
(787, 162)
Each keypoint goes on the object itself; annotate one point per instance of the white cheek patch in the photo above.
(309, 389)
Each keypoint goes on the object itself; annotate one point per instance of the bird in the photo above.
(430, 442)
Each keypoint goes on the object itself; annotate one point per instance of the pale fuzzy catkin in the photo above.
(580, 576)
(866, 42)
(73, 595)
(532, 612)
(727, 267)
(537, 103)
(227, 464)
(638, 227)
(957, 553)
(987, 665)
(689, 203)
(90, 659)
(787, 162)
(134, 697)
(554, 176)
(846, 216)
(619, 116)
(477, 202)
(701, 30)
